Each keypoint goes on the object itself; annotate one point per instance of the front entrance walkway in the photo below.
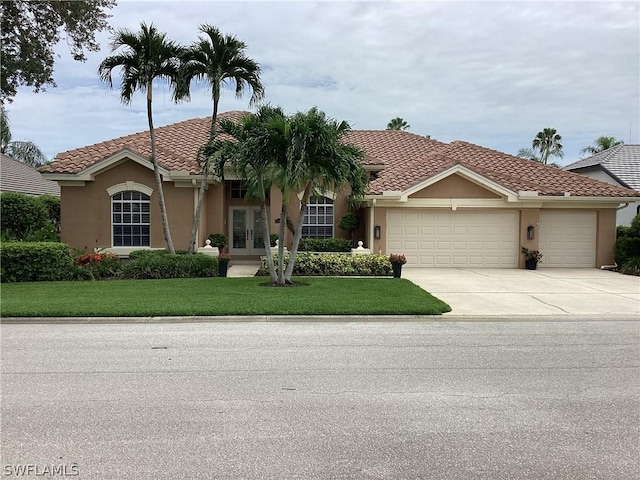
(243, 268)
(551, 291)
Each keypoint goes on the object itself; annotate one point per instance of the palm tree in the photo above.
(23, 150)
(219, 60)
(254, 155)
(529, 154)
(300, 153)
(145, 56)
(325, 162)
(547, 142)
(398, 123)
(601, 144)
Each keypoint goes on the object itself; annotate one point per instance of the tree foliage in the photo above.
(31, 30)
(143, 57)
(218, 60)
(300, 153)
(545, 144)
(601, 144)
(398, 123)
(23, 150)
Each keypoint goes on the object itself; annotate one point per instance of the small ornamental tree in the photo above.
(350, 222)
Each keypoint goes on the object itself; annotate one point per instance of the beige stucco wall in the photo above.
(606, 236)
(86, 211)
(215, 214)
(454, 186)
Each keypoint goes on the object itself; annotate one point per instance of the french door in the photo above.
(245, 231)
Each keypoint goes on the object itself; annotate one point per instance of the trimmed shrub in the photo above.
(325, 245)
(21, 215)
(161, 264)
(218, 240)
(332, 264)
(35, 261)
(52, 206)
(631, 267)
(97, 266)
(136, 254)
(627, 246)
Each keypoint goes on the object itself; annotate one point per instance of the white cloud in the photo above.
(493, 73)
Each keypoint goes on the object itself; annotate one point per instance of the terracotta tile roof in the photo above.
(404, 159)
(176, 144)
(19, 177)
(520, 174)
(621, 161)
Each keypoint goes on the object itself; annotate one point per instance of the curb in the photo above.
(321, 319)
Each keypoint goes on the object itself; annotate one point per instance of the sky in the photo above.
(490, 73)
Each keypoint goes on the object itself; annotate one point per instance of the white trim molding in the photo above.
(129, 185)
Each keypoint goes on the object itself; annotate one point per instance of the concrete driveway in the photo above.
(556, 292)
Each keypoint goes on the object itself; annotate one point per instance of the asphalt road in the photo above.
(356, 400)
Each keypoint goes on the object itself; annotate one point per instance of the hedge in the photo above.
(627, 248)
(35, 261)
(333, 264)
(21, 215)
(146, 264)
(325, 245)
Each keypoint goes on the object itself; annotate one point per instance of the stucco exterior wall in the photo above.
(606, 237)
(85, 212)
(454, 186)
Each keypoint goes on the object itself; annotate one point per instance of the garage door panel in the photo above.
(456, 238)
(567, 239)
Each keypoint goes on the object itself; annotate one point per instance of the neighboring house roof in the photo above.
(19, 177)
(621, 162)
(402, 159)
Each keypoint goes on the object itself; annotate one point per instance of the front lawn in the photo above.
(218, 296)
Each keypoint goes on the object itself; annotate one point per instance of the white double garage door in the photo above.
(491, 239)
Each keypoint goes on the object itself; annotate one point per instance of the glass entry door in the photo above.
(245, 231)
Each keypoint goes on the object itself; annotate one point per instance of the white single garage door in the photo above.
(431, 238)
(567, 239)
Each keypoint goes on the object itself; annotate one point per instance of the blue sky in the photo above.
(491, 73)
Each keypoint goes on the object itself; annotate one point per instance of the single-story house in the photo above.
(441, 204)
(18, 177)
(618, 165)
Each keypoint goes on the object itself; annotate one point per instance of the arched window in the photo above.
(131, 219)
(318, 221)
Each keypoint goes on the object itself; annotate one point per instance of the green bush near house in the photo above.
(35, 261)
(325, 245)
(147, 264)
(218, 240)
(627, 248)
(331, 264)
(21, 215)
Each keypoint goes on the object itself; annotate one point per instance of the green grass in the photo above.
(218, 296)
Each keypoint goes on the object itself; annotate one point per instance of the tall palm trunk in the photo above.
(298, 233)
(156, 171)
(267, 241)
(203, 183)
(284, 212)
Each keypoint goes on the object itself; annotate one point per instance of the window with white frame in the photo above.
(318, 221)
(131, 219)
